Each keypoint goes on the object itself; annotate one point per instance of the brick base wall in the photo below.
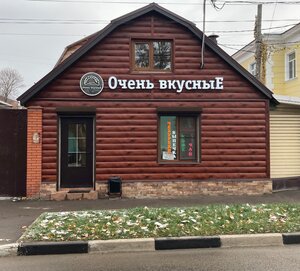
(162, 189)
(173, 189)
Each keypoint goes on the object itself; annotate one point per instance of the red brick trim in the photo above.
(34, 152)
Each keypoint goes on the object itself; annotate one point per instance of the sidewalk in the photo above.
(16, 216)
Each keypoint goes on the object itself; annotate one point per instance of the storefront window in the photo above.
(178, 138)
(77, 145)
(153, 55)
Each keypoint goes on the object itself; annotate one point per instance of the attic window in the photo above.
(155, 55)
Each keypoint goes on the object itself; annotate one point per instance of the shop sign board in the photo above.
(92, 84)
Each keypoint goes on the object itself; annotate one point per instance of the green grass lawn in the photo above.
(165, 222)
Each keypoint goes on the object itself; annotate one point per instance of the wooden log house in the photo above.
(134, 101)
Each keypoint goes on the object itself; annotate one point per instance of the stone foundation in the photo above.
(49, 192)
(169, 189)
(172, 189)
(102, 189)
(47, 189)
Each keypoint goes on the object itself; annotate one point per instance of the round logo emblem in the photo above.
(91, 84)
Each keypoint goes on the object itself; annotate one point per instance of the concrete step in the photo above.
(75, 195)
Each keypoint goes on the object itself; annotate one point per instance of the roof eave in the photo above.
(25, 97)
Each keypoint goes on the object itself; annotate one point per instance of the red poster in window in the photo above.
(190, 149)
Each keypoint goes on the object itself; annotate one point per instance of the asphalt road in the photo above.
(238, 259)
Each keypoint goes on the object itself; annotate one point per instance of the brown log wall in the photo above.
(126, 142)
(234, 121)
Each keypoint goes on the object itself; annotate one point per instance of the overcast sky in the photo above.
(34, 33)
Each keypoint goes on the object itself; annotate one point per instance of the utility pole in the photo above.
(258, 41)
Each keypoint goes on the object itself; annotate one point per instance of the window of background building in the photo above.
(152, 55)
(291, 66)
(178, 136)
(252, 68)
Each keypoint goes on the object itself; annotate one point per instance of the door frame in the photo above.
(78, 115)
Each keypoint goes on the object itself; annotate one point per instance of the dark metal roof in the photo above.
(25, 97)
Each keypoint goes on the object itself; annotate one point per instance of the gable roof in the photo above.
(267, 38)
(25, 97)
(247, 49)
(283, 99)
(287, 33)
(71, 48)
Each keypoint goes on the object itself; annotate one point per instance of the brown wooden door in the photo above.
(77, 142)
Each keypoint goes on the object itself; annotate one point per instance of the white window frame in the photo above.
(252, 68)
(287, 66)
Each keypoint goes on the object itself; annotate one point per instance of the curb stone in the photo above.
(122, 245)
(251, 240)
(46, 248)
(187, 242)
(9, 249)
(291, 238)
(149, 244)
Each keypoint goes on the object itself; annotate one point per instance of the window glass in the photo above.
(187, 138)
(168, 138)
(153, 55)
(292, 56)
(178, 138)
(253, 68)
(142, 55)
(291, 72)
(291, 65)
(77, 145)
(162, 55)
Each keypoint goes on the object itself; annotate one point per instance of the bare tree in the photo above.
(10, 83)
